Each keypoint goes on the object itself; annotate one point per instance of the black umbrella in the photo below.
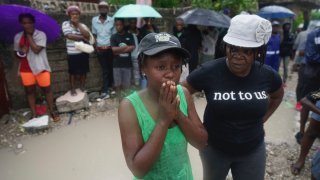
(205, 17)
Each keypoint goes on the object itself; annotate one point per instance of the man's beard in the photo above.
(103, 14)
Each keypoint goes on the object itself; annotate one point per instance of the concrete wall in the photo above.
(57, 59)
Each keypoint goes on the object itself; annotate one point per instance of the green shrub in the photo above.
(315, 14)
(121, 2)
(166, 3)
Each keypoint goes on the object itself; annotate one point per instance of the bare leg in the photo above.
(83, 78)
(311, 134)
(304, 114)
(31, 91)
(72, 84)
(49, 97)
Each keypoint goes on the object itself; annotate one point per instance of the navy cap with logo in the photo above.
(155, 43)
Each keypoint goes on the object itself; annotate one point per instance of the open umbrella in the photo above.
(274, 11)
(205, 17)
(136, 11)
(10, 25)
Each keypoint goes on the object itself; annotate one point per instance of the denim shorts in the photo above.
(315, 167)
(316, 116)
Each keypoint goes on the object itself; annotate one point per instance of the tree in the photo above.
(235, 6)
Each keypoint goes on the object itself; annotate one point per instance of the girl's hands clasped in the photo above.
(169, 102)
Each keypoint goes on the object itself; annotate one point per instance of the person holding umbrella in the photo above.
(78, 61)
(30, 48)
(241, 93)
(148, 27)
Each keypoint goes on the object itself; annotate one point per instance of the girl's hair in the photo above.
(259, 52)
(26, 15)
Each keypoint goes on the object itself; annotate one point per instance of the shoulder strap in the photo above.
(183, 101)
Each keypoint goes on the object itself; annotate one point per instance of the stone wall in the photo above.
(57, 59)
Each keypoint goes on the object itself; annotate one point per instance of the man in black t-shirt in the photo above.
(122, 45)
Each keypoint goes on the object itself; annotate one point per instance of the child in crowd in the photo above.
(122, 44)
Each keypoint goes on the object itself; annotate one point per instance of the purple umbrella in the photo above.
(10, 26)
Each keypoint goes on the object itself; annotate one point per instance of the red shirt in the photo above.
(24, 65)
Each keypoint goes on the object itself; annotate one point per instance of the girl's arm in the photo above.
(191, 126)
(140, 156)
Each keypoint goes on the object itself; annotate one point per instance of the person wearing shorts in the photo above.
(30, 49)
(122, 45)
(78, 61)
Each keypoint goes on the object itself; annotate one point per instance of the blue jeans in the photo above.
(216, 164)
(315, 167)
(105, 58)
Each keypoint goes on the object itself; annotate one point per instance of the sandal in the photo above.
(55, 117)
(295, 170)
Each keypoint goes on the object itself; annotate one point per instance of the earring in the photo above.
(144, 74)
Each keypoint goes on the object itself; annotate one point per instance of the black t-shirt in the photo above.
(235, 105)
(118, 40)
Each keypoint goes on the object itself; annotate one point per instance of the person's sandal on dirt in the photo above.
(55, 117)
(295, 169)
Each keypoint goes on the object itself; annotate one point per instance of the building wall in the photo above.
(57, 59)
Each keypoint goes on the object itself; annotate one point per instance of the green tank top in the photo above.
(173, 163)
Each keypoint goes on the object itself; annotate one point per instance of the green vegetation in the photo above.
(166, 3)
(121, 2)
(206, 4)
(315, 14)
(235, 6)
(297, 20)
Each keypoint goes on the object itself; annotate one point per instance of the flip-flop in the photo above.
(295, 170)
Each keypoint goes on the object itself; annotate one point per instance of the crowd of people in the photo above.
(237, 70)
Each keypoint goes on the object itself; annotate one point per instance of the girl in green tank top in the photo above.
(156, 123)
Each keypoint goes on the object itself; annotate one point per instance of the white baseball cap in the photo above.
(103, 3)
(248, 31)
